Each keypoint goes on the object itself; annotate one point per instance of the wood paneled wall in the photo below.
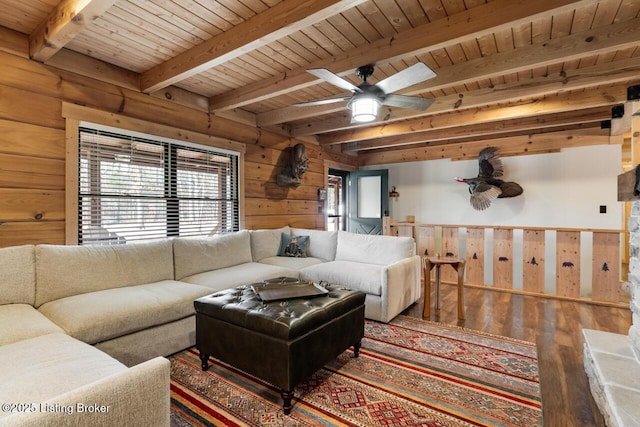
(32, 151)
(269, 205)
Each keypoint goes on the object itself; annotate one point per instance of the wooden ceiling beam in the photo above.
(509, 146)
(575, 130)
(432, 136)
(607, 73)
(63, 24)
(617, 36)
(274, 23)
(468, 25)
(610, 38)
(569, 101)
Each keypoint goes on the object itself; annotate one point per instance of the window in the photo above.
(135, 188)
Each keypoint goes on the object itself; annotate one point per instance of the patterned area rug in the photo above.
(410, 372)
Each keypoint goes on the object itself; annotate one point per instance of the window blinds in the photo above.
(133, 189)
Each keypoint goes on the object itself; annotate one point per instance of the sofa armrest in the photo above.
(137, 396)
(400, 286)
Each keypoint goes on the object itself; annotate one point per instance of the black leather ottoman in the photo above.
(281, 342)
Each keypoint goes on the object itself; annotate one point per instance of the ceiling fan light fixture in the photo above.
(364, 108)
(366, 99)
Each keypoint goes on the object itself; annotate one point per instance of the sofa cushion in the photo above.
(358, 276)
(103, 315)
(40, 368)
(63, 271)
(118, 399)
(237, 275)
(322, 244)
(21, 321)
(17, 275)
(265, 243)
(292, 263)
(374, 249)
(293, 246)
(193, 256)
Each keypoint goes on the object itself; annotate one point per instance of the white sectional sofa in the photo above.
(49, 378)
(86, 325)
(222, 262)
(386, 268)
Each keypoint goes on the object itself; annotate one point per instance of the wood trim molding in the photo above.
(74, 114)
(78, 112)
(330, 164)
(71, 185)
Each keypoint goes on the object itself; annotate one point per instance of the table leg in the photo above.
(437, 303)
(426, 313)
(461, 291)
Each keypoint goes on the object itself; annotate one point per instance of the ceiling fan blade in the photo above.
(411, 102)
(410, 76)
(321, 102)
(334, 79)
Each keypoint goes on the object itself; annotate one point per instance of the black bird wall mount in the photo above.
(487, 185)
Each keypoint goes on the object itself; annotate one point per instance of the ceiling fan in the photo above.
(367, 98)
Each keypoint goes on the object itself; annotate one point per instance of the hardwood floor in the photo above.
(555, 326)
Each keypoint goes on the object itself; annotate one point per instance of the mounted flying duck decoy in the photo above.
(486, 186)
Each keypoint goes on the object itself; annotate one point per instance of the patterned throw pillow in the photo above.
(293, 246)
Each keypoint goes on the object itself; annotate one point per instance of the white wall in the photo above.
(561, 190)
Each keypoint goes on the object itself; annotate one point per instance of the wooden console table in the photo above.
(437, 262)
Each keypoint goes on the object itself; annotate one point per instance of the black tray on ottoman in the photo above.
(281, 342)
(286, 288)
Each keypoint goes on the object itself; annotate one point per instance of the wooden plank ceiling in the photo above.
(509, 69)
